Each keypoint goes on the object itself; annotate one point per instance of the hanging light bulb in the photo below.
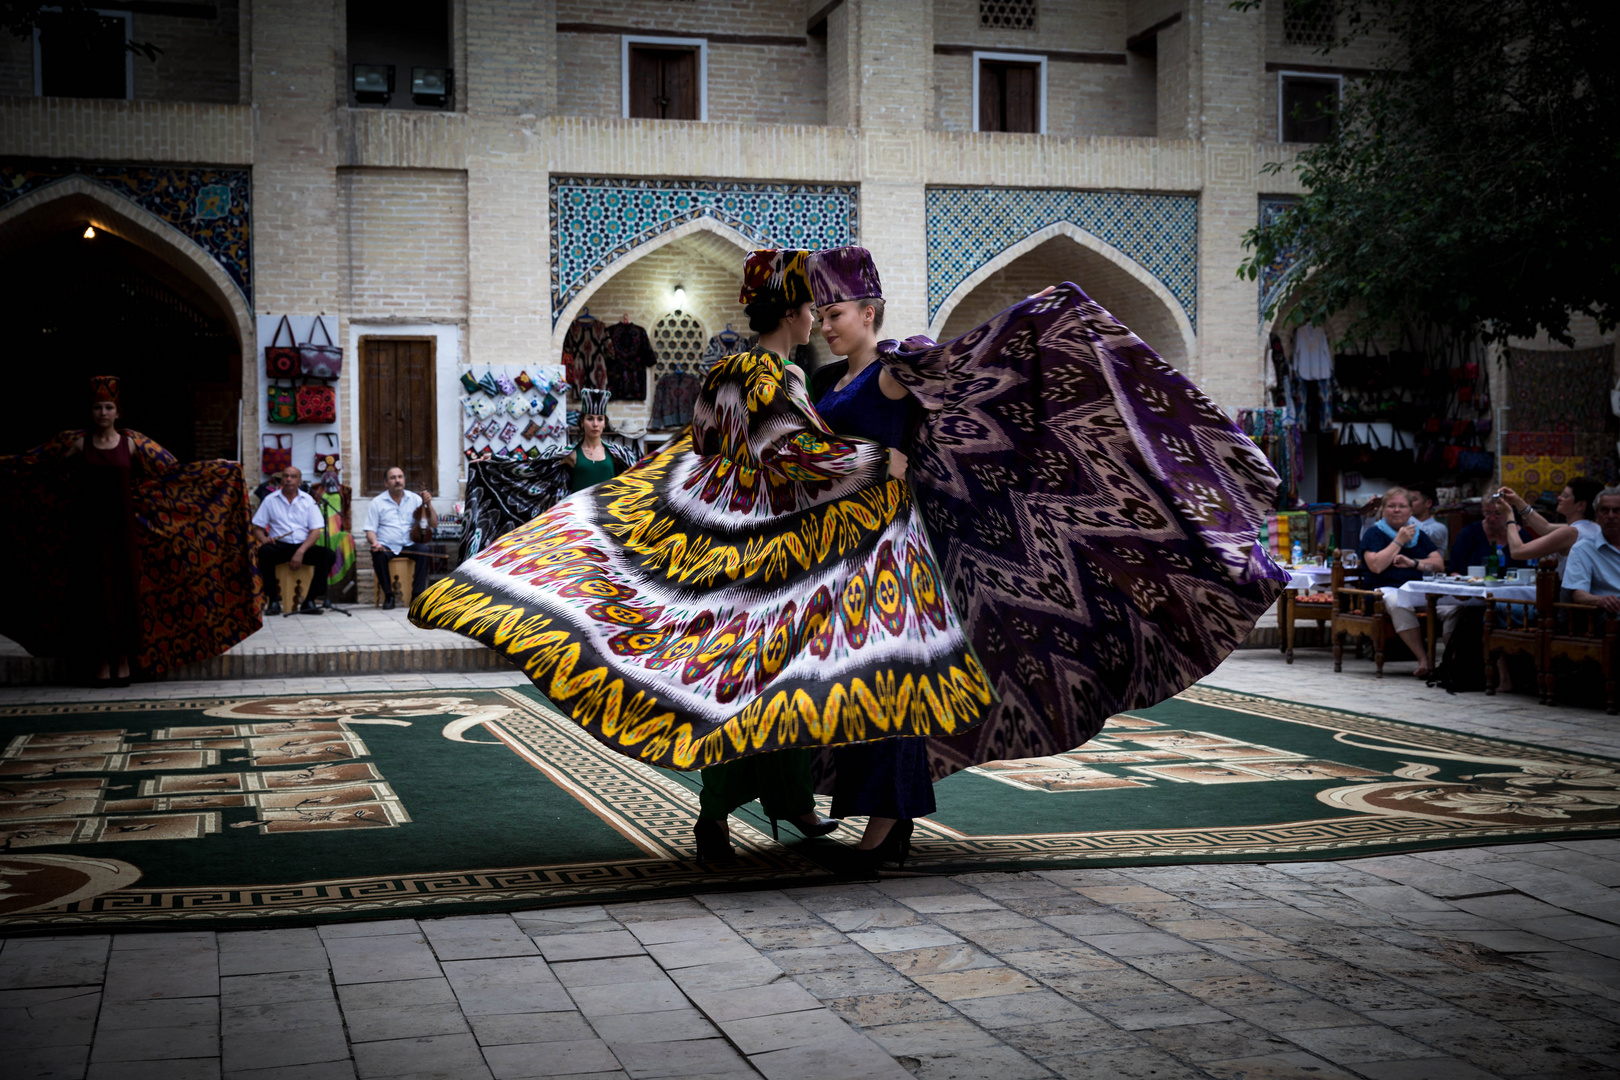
(680, 296)
(89, 232)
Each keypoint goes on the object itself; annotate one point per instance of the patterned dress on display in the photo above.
(584, 355)
(760, 584)
(183, 530)
(629, 355)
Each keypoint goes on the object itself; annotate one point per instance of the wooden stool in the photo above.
(294, 585)
(402, 575)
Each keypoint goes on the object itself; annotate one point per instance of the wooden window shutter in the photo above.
(990, 97)
(644, 78)
(680, 85)
(1023, 103)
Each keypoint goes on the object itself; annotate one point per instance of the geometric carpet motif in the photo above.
(967, 227)
(232, 811)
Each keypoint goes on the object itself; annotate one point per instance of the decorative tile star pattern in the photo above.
(212, 207)
(595, 222)
(967, 227)
(1276, 276)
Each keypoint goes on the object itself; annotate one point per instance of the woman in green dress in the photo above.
(589, 462)
(776, 297)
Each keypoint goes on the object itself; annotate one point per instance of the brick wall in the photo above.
(511, 57)
(762, 84)
(199, 61)
(406, 233)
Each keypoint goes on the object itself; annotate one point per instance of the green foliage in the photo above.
(66, 20)
(1472, 181)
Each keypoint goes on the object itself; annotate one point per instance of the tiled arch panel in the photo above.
(597, 221)
(967, 227)
(213, 207)
(1277, 276)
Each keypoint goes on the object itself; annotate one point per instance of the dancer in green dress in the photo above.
(589, 463)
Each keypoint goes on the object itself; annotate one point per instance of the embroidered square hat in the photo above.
(775, 275)
(841, 274)
(103, 388)
(593, 402)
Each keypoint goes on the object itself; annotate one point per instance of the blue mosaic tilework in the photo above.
(595, 222)
(1276, 277)
(213, 207)
(967, 227)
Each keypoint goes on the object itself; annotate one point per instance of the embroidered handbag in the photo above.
(532, 453)
(283, 408)
(488, 385)
(281, 361)
(531, 429)
(507, 432)
(320, 361)
(523, 382)
(276, 455)
(483, 408)
(326, 460)
(548, 405)
(505, 385)
(469, 384)
(316, 405)
(515, 406)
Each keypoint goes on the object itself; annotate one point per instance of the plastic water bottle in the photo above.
(1493, 563)
(1296, 557)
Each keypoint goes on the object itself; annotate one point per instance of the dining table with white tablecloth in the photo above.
(1426, 594)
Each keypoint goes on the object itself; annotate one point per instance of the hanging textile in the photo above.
(1561, 389)
(725, 343)
(628, 356)
(761, 584)
(196, 587)
(584, 355)
(503, 493)
(1313, 356)
(674, 397)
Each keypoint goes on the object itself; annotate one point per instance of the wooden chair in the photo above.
(1293, 609)
(293, 586)
(1360, 613)
(1529, 637)
(1586, 636)
(401, 575)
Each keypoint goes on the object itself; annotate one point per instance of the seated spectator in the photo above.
(1394, 551)
(1497, 528)
(388, 533)
(287, 528)
(1592, 574)
(1423, 502)
(1575, 506)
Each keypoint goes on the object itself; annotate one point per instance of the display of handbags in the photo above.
(276, 455)
(319, 361)
(316, 405)
(326, 461)
(281, 361)
(282, 405)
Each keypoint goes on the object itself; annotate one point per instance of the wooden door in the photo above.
(1009, 97)
(664, 83)
(397, 407)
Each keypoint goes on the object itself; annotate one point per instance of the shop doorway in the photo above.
(80, 305)
(397, 407)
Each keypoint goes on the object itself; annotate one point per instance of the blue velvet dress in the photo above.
(887, 778)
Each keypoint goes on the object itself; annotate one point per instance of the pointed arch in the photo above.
(717, 229)
(1179, 350)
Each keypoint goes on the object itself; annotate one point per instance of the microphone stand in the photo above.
(326, 542)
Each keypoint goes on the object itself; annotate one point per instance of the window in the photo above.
(397, 404)
(1313, 23)
(1007, 14)
(665, 78)
(1009, 92)
(97, 67)
(1307, 106)
(399, 54)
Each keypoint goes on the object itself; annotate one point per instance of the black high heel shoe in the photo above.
(713, 842)
(822, 827)
(895, 848)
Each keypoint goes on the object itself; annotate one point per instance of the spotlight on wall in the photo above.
(430, 86)
(680, 296)
(373, 83)
(89, 232)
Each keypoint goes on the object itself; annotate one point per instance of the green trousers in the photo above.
(779, 780)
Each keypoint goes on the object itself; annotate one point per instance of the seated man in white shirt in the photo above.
(287, 527)
(1423, 501)
(1592, 572)
(388, 531)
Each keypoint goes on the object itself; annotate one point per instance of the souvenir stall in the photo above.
(514, 412)
(1560, 423)
(610, 356)
(298, 425)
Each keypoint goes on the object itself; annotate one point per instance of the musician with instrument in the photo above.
(401, 522)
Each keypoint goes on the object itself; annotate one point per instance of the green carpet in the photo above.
(267, 811)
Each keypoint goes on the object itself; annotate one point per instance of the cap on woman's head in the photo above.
(103, 388)
(841, 274)
(775, 275)
(593, 402)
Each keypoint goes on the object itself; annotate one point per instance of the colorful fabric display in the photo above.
(1561, 389)
(584, 354)
(524, 383)
(1531, 475)
(504, 384)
